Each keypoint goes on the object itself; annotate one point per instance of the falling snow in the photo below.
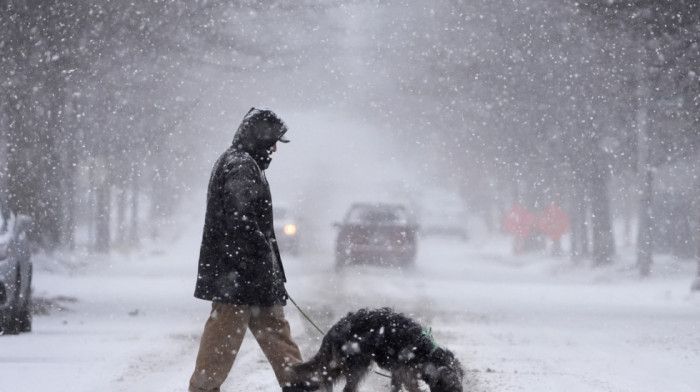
(561, 138)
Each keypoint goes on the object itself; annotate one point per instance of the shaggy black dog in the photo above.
(391, 340)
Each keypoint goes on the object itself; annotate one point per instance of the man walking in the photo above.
(240, 269)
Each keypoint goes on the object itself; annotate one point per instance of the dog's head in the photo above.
(446, 379)
(445, 374)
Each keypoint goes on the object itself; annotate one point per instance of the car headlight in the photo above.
(290, 229)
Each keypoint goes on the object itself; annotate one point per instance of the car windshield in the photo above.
(378, 214)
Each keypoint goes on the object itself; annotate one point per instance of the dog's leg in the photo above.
(412, 385)
(405, 377)
(325, 387)
(353, 381)
(355, 372)
(395, 382)
(327, 378)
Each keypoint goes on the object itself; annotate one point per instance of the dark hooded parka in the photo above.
(239, 260)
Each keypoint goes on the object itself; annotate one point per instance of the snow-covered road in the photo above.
(130, 323)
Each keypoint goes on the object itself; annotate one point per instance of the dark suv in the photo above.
(377, 233)
(15, 272)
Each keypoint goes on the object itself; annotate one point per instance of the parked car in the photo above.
(286, 229)
(444, 215)
(376, 233)
(15, 273)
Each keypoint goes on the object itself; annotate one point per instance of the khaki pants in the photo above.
(222, 338)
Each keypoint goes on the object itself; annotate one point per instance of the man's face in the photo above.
(264, 157)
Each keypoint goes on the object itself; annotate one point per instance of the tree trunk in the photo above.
(695, 229)
(162, 195)
(645, 231)
(134, 231)
(696, 283)
(68, 161)
(121, 215)
(71, 161)
(20, 196)
(602, 234)
(102, 206)
(644, 169)
(50, 175)
(579, 229)
(67, 238)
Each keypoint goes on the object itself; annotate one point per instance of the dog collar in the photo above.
(428, 333)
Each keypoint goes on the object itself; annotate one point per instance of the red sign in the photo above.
(519, 221)
(553, 222)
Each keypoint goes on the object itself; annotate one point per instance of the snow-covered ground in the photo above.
(533, 323)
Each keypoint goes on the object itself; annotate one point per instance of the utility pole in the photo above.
(644, 164)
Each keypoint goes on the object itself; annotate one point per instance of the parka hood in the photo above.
(259, 130)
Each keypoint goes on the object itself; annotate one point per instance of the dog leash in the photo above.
(305, 315)
(319, 329)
